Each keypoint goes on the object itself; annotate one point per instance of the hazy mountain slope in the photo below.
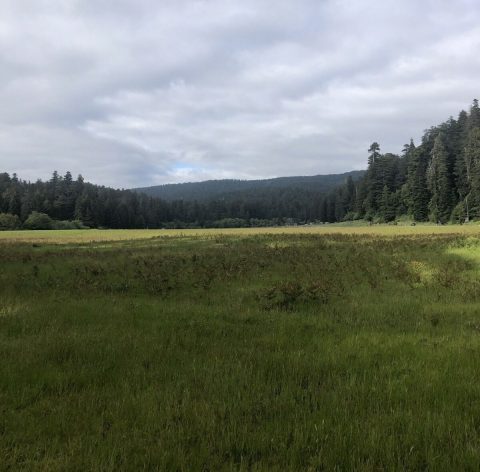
(219, 188)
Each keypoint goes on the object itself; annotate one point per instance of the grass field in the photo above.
(99, 235)
(312, 348)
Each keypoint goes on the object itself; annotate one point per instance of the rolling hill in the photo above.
(218, 189)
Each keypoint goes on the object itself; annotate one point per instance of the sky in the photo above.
(144, 92)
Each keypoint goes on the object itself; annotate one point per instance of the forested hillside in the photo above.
(438, 180)
(64, 199)
(35, 205)
(228, 189)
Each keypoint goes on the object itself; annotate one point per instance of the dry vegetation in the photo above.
(98, 235)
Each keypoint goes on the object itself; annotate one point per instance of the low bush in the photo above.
(9, 222)
(38, 220)
(75, 224)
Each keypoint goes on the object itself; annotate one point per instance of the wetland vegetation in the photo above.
(351, 349)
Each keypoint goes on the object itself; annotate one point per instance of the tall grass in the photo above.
(237, 352)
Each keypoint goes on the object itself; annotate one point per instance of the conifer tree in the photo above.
(474, 117)
(472, 163)
(417, 183)
(387, 206)
(440, 205)
(374, 180)
(374, 151)
(458, 149)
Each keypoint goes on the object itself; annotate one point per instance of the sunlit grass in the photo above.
(98, 235)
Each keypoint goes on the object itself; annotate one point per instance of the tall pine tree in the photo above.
(438, 178)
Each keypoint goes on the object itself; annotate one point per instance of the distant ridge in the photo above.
(217, 189)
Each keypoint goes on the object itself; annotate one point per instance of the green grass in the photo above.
(108, 235)
(290, 350)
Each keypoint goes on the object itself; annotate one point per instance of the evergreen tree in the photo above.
(472, 159)
(458, 143)
(417, 183)
(374, 151)
(349, 197)
(374, 181)
(440, 205)
(387, 207)
(474, 118)
(406, 191)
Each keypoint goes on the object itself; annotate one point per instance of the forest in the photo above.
(64, 202)
(437, 180)
(230, 189)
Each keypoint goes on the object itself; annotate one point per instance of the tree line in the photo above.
(64, 202)
(438, 180)
(238, 189)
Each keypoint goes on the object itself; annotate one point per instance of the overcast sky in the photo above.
(143, 92)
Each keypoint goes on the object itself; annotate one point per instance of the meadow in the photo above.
(101, 235)
(308, 348)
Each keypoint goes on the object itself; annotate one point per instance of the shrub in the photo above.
(75, 224)
(80, 224)
(459, 213)
(9, 222)
(38, 220)
(350, 216)
(62, 225)
(285, 295)
(230, 223)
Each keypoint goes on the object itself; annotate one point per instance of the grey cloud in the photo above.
(139, 92)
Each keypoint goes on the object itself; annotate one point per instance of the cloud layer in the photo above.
(140, 92)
